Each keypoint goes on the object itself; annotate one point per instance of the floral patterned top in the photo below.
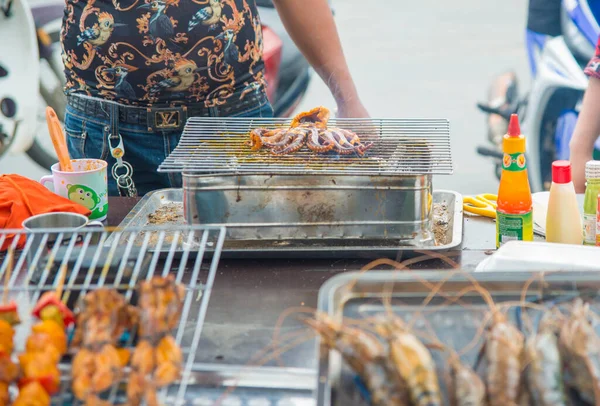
(593, 67)
(145, 52)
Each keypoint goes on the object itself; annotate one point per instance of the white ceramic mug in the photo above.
(86, 185)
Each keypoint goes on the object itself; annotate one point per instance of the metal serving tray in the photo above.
(450, 234)
(358, 296)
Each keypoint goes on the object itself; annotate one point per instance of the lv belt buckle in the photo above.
(168, 118)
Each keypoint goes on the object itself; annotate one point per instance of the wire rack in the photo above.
(401, 147)
(117, 259)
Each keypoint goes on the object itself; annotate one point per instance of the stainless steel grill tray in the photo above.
(402, 147)
(92, 262)
(357, 296)
(447, 226)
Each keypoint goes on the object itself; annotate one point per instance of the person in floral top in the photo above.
(587, 128)
(137, 69)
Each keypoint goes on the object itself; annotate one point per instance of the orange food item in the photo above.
(9, 313)
(32, 394)
(319, 116)
(6, 337)
(54, 333)
(41, 367)
(124, 356)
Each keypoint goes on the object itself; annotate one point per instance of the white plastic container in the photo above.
(563, 219)
(541, 256)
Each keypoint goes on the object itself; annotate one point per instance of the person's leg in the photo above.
(145, 152)
(88, 137)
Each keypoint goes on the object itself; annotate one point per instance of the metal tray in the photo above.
(312, 207)
(325, 248)
(354, 295)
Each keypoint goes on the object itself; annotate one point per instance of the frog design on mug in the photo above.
(88, 198)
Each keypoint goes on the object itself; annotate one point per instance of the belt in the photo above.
(163, 118)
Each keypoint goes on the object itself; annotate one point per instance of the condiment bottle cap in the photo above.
(561, 171)
(592, 170)
(514, 130)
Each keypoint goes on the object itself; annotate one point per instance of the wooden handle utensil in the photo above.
(58, 140)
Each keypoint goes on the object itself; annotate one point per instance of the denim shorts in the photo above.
(88, 137)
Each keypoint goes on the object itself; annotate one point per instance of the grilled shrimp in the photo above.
(412, 362)
(544, 368)
(365, 354)
(504, 353)
(580, 349)
(466, 387)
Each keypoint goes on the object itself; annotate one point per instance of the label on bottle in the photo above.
(598, 222)
(514, 162)
(589, 229)
(511, 227)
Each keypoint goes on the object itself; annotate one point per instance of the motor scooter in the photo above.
(31, 73)
(549, 112)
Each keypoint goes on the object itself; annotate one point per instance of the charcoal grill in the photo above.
(304, 196)
(118, 260)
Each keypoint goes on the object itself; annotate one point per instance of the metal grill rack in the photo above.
(402, 147)
(131, 255)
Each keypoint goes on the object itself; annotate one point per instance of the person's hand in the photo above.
(578, 160)
(352, 110)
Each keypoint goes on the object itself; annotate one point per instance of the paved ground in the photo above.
(424, 58)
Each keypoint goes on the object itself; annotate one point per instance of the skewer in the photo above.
(45, 347)
(61, 280)
(8, 370)
(9, 267)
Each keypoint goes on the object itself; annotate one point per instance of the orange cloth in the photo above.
(21, 198)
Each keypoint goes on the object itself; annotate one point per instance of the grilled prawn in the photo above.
(580, 349)
(544, 366)
(466, 387)
(367, 357)
(412, 362)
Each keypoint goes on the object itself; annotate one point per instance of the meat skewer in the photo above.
(39, 374)
(157, 359)
(98, 364)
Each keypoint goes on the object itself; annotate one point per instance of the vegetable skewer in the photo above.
(40, 376)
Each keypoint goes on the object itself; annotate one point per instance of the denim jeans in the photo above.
(88, 137)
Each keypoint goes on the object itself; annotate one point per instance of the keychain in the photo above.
(124, 180)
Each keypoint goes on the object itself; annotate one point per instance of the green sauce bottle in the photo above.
(590, 205)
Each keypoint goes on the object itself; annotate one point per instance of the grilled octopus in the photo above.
(310, 129)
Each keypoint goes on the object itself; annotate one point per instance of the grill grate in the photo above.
(402, 147)
(117, 260)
